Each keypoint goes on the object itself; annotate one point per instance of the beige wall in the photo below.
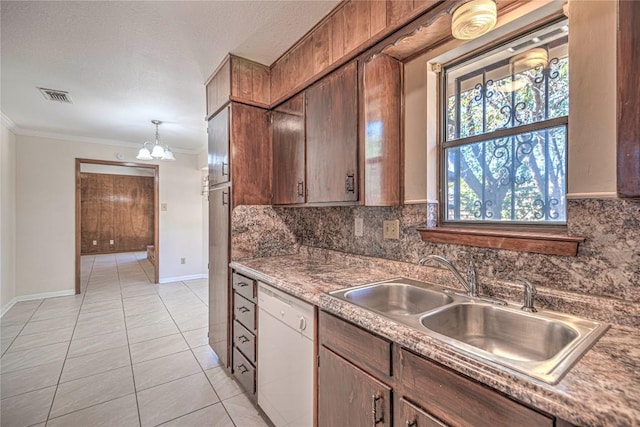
(45, 209)
(7, 216)
(592, 132)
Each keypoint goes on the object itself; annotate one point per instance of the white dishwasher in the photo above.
(285, 357)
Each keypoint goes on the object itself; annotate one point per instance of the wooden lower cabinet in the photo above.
(348, 396)
(353, 391)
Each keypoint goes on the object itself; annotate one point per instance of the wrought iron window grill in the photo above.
(505, 117)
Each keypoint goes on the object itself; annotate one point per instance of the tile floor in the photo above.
(125, 352)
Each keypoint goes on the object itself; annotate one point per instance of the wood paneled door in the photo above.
(116, 211)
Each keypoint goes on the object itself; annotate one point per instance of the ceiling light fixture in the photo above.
(157, 151)
(473, 19)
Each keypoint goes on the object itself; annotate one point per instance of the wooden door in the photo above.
(348, 396)
(250, 155)
(219, 293)
(332, 137)
(381, 103)
(288, 138)
(218, 136)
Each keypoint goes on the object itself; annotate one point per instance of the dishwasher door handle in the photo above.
(303, 323)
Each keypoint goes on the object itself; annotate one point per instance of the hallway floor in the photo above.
(125, 352)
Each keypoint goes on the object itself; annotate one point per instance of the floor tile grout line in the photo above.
(64, 360)
(189, 413)
(133, 376)
(87, 407)
(23, 326)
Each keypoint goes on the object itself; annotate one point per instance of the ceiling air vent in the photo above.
(56, 95)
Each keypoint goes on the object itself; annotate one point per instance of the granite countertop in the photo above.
(603, 388)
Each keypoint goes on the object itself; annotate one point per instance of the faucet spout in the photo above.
(470, 285)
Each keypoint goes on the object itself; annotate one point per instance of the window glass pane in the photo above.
(523, 82)
(521, 177)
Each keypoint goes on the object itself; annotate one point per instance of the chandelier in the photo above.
(157, 152)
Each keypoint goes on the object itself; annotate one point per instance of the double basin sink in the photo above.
(543, 345)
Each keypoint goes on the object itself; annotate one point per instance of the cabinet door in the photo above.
(348, 396)
(409, 415)
(332, 137)
(381, 100)
(287, 130)
(219, 273)
(218, 130)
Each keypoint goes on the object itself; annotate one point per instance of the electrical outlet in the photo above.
(95, 243)
(111, 242)
(183, 260)
(391, 229)
(163, 207)
(359, 227)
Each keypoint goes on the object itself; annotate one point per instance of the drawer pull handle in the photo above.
(243, 309)
(243, 339)
(225, 198)
(243, 369)
(374, 410)
(242, 284)
(224, 165)
(412, 423)
(300, 188)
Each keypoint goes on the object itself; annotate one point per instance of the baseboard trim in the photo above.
(32, 297)
(183, 278)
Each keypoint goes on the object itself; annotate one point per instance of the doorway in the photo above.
(82, 178)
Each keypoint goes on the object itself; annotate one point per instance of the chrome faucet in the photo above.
(470, 284)
(529, 295)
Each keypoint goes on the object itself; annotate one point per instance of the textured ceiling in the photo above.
(125, 63)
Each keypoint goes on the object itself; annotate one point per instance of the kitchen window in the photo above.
(504, 118)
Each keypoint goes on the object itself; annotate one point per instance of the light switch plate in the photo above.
(359, 227)
(391, 229)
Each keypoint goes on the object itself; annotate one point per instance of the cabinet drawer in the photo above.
(244, 311)
(244, 372)
(245, 286)
(245, 341)
(410, 415)
(460, 401)
(362, 348)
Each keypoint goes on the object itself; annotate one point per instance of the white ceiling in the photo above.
(125, 63)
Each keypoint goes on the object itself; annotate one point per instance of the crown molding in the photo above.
(6, 120)
(89, 139)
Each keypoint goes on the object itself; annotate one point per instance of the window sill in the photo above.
(541, 243)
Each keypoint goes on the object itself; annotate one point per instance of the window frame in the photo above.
(443, 144)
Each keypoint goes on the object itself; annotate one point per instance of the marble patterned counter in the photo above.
(602, 389)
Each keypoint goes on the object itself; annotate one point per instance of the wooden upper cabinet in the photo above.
(218, 141)
(381, 120)
(288, 139)
(628, 153)
(250, 155)
(332, 137)
(238, 79)
(400, 11)
(357, 24)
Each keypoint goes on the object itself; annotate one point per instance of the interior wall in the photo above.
(591, 161)
(7, 216)
(45, 211)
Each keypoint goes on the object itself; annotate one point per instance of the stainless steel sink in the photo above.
(397, 299)
(543, 345)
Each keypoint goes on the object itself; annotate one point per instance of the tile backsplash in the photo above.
(607, 265)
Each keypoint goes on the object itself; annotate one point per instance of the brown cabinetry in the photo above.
(238, 79)
(628, 153)
(218, 140)
(360, 373)
(332, 137)
(288, 136)
(219, 273)
(245, 311)
(381, 120)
